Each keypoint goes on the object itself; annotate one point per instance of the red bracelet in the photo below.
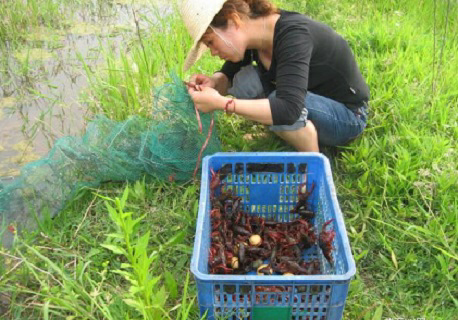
(226, 108)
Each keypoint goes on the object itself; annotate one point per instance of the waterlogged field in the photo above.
(397, 184)
(46, 47)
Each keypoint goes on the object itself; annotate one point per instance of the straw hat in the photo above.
(197, 16)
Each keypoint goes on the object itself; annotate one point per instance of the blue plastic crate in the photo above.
(267, 183)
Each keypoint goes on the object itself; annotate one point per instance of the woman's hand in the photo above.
(203, 80)
(206, 99)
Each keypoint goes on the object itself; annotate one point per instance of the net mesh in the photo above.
(165, 145)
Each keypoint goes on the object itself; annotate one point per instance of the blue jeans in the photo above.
(335, 123)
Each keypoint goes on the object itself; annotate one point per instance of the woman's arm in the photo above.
(208, 100)
(254, 109)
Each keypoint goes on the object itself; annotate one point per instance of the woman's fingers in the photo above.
(195, 77)
(206, 99)
(201, 80)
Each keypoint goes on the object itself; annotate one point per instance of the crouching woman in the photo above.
(285, 70)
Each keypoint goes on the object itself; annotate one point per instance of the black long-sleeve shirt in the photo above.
(307, 55)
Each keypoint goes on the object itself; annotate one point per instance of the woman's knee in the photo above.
(303, 139)
(308, 129)
(247, 84)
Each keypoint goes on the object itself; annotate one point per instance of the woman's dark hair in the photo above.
(243, 8)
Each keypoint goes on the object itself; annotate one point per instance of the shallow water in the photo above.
(42, 84)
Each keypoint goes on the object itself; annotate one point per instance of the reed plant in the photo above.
(122, 87)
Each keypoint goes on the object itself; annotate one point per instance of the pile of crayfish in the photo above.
(241, 243)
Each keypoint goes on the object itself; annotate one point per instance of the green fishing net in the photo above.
(166, 145)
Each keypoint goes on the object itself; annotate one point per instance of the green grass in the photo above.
(397, 184)
(21, 17)
(123, 86)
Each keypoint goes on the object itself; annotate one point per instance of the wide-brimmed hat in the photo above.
(197, 16)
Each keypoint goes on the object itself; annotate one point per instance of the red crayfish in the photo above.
(325, 241)
(242, 243)
(301, 205)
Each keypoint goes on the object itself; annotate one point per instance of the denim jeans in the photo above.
(335, 123)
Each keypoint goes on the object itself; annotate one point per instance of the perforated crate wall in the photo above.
(267, 184)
